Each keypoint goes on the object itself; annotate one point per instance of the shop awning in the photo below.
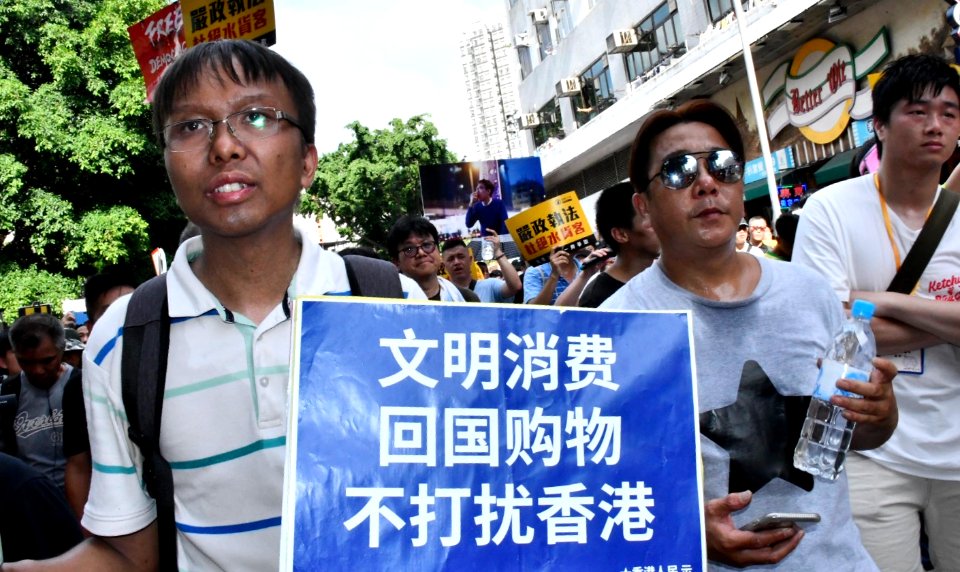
(836, 169)
(758, 188)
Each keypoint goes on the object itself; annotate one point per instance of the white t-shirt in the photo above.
(842, 235)
(224, 419)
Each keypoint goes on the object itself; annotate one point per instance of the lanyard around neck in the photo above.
(889, 226)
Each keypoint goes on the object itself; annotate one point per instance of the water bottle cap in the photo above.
(862, 309)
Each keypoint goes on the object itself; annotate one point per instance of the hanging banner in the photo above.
(556, 222)
(209, 21)
(820, 88)
(157, 41)
(429, 436)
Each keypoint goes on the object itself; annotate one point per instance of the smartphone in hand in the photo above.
(774, 520)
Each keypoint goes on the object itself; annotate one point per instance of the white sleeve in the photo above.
(118, 504)
(820, 245)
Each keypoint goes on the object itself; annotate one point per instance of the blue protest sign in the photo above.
(484, 437)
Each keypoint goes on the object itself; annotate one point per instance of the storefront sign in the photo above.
(754, 169)
(819, 88)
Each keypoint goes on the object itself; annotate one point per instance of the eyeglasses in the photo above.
(681, 171)
(247, 125)
(427, 247)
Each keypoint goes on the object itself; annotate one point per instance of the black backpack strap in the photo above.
(146, 340)
(372, 277)
(927, 241)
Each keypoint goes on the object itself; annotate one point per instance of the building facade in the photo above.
(491, 90)
(591, 70)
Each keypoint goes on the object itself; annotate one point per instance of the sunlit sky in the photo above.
(374, 60)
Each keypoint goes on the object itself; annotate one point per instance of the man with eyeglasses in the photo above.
(236, 124)
(413, 244)
(758, 229)
(686, 167)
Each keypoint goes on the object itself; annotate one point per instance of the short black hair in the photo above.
(241, 62)
(99, 284)
(908, 78)
(695, 111)
(487, 183)
(615, 210)
(5, 345)
(29, 331)
(453, 243)
(404, 227)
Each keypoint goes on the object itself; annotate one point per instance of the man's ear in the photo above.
(619, 234)
(309, 166)
(879, 129)
(640, 203)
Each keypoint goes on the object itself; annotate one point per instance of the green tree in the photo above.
(24, 286)
(368, 183)
(82, 183)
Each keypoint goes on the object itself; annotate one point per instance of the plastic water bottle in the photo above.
(825, 438)
(486, 250)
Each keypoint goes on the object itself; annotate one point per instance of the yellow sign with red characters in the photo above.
(212, 20)
(555, 222)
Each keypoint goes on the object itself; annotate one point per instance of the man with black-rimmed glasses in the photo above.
(236, 124)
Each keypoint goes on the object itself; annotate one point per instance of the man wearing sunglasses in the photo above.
(857, 233)
(686, 166)
(414, 246)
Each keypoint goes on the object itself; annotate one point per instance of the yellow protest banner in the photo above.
(556, 222)
(212, 20)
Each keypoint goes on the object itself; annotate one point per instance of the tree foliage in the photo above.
(24, 286)
(368, 183)
(82, 183)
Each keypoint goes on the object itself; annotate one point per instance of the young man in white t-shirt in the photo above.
(857, 233)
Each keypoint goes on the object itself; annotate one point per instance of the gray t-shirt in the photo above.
(39, 426)
(773, 336)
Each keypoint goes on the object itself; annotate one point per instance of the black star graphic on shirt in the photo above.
(759, 431)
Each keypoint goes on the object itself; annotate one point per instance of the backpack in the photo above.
(146, 340)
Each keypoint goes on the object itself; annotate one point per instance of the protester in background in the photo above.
(456, 261)
(73, 350)
(37, 435)
(758, 233)
(8, 360)
(413, 245)
(742, 242)
(858, 234)
(687, 166)
(543, 284)
(101, 290)
(786, 233)
(628, 236)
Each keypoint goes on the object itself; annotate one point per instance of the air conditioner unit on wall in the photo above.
(621, 42)
(521, 41)
(540, 16)
(529, 120)
(568, 86)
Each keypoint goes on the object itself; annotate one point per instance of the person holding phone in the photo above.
(686, 165)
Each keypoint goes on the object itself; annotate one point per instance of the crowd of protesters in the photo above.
(236, 124)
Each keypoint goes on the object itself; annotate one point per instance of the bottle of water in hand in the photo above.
(825, 438)
(486, 249)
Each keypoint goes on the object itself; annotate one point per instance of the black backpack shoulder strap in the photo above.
(926, 244)
(372, 277)
(146, 340)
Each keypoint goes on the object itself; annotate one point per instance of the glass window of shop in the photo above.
(596, 92)
(551, 127)
(660, 36)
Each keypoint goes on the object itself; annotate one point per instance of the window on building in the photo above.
(660, 36)
(596, 92)
(718, 9)
(545, 40)
(550, 124)
(526, 64)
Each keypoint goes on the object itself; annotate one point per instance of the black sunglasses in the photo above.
(681, 171)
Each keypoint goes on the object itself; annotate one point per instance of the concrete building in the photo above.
(592, 69)
(491, 89)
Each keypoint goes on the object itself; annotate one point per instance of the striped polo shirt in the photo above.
(224, 419)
